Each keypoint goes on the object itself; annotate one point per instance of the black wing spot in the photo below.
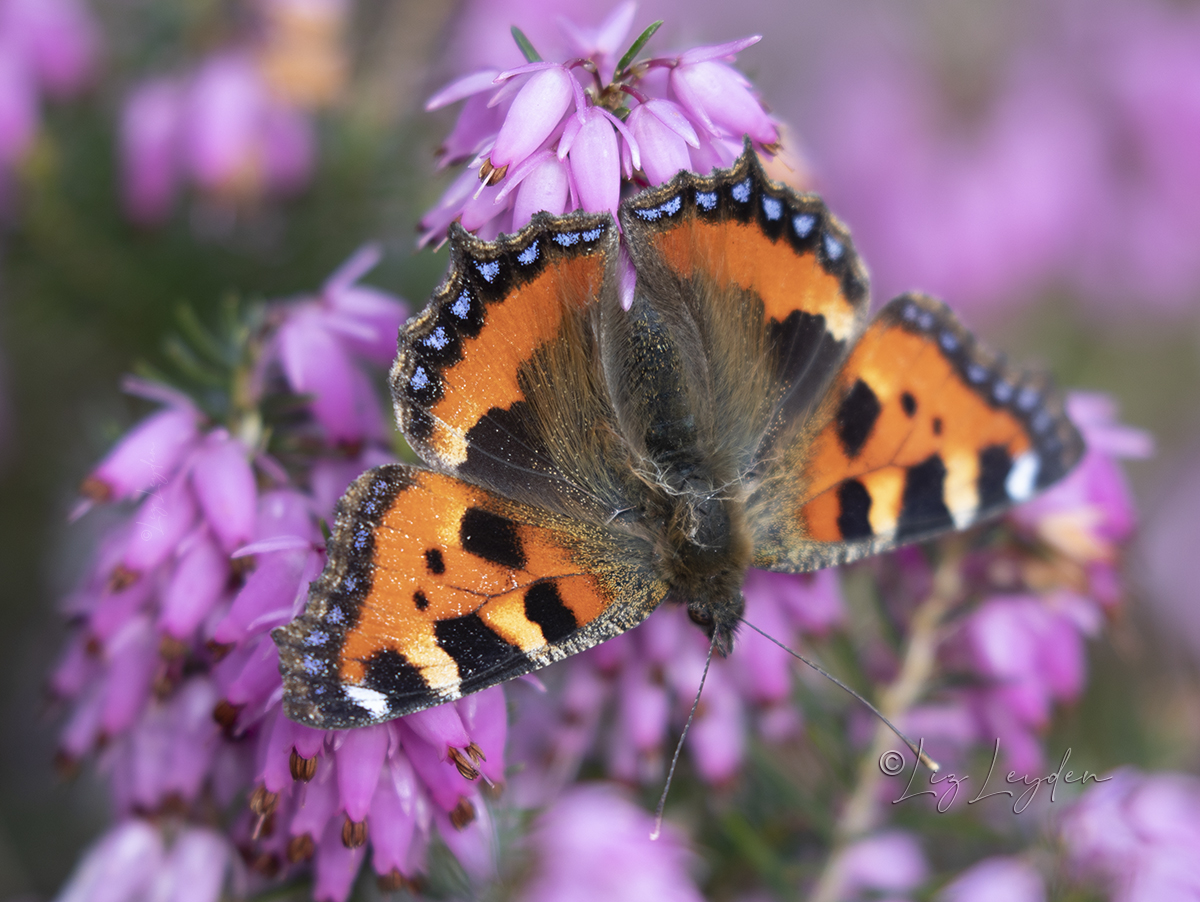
(854, 504)
(474, 647)
(909, 403)
(856, 417)
(491, 537)
(389, 672)
(994, 465)
(420, 600)
(923, 505)
(544, 606)
(937, 425)
(435, 562)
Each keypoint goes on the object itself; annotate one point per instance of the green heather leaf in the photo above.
(526, 46)
(199, 338)
(636, 47)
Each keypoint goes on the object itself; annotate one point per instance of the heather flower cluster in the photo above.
(48, 49)
(236, 125)
(171, 676)
(562, 136)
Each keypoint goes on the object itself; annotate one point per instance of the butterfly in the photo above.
(588, 460)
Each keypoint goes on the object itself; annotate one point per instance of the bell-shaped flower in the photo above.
(535, 113)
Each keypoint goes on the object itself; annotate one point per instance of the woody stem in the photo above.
(860, 813)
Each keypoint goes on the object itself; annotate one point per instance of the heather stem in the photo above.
(860, 813)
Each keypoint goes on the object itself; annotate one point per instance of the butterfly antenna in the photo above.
(662, 800)
(913, 747)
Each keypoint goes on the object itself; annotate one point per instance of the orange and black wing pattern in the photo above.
(436, 588)
(771, 283)
(498, 379)
(923, 431)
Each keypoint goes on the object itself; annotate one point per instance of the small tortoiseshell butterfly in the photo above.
(587, 463)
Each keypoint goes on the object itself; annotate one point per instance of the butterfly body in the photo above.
(586, 462)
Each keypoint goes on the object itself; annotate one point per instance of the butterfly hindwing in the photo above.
(498, 379)
(922, 432)
(768, 281)
(437, 588)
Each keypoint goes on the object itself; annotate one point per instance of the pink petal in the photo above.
(195, 587)
(224, 484)
(462, 88)
(535, 114)
(359, 761)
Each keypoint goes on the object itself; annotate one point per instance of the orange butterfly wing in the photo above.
(922, 431)
(437, 588)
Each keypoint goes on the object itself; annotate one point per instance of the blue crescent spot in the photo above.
(833, 248)
(804, 223)
(741, 191)
(925, 319)
(316, 637)
(566, 239)
(592, 234)
(488, 270)
(462, 306)
(706, 200)
(976, 373)
(1002, 391)
(419, 378)
(335, 615)
(311, 665)
(773, 207)
(949, 341)
(1027, 399)
(438, 339)
(528, 255)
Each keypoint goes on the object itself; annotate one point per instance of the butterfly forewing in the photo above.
(772, 283)
(498, 379)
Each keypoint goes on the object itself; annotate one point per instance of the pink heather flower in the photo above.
(320, 340)
(141, 460)
(233, 127)
(996, 880)
(59, 40)
(1137, 835)
(593, 845)
(718, 97)
(888, 862)
(219, 127)
(1089, 513)
(594, 123)
(664, 134)
(173, 680)
(536, 111)
(18, 106)
(151, 123)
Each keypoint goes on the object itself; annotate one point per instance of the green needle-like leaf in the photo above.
(526, 46)
(636, 47)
